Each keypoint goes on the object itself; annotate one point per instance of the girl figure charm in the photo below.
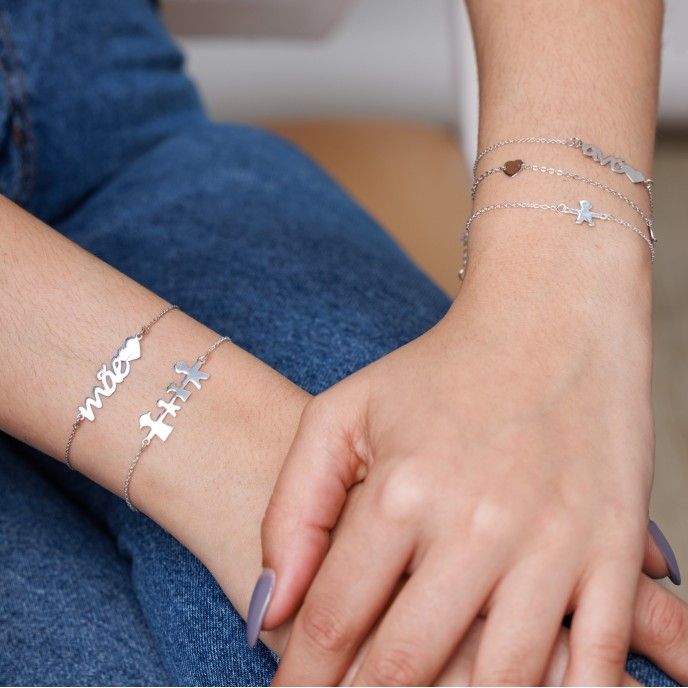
(109, 379)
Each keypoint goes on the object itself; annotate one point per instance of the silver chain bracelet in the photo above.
(157, 427)
(109, 379)
(513, 167)
(570, 142)
(616, 164)
(584, 213)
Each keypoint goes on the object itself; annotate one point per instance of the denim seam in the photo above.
(18, 96)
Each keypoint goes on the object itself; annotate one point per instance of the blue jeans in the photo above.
(104, 138)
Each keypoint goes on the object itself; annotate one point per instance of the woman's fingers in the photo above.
(459, 669)
(601, 627)
(524, 618)
(350, 591)
(308, 497)
(427, 620)
(660, 629)
(559, 660)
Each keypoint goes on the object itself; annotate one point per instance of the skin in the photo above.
(520, 426)
(473, 379)
(213, 504)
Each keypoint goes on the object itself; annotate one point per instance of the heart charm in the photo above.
(512, 167)
(131, 350)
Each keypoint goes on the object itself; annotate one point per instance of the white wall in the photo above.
(387, 58)
(397, 58)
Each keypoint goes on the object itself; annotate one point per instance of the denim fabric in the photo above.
(103, 137)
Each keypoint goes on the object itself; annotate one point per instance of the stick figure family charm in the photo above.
(157, 427)
(192, 375)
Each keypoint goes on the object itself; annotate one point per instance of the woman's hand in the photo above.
(506, 460)
(660, 631)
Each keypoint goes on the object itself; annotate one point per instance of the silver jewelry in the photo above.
(570, 142)
(616, 164)
(157, 427)
(584, 213)
(513, 167)
(120, 367)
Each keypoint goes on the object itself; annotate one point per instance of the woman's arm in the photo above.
(64, 314)
(582, 69)
(521, 425)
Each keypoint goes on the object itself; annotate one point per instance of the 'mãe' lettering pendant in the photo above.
(109, 379)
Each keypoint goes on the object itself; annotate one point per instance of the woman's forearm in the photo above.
(561, 69)
(64, 314)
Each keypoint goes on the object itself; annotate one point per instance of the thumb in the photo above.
(660, 560)
(308, 497)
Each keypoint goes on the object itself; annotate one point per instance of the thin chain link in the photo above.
(145, 329)
(571, 175)
(79, 418)
(130, 473)
(559, 209)
(146, 442)
(572, 142)
(204, 357)
(68, 448)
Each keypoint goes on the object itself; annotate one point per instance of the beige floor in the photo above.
(410, 177)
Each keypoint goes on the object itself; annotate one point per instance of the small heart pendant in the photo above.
(131, 350)
(512, 167)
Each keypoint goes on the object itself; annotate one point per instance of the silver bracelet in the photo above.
(616, 164)
(120, 367)
(192, 375)
(512, 167)
(584, 213)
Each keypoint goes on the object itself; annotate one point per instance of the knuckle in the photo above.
(324, 628)
(402, 495)
(609, 649)
(394, 667)
(666, 619)
(491, 521)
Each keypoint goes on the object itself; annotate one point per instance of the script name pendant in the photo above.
(109, 379)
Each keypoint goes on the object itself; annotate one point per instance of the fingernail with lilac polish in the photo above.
(667, 553)
(260, 599)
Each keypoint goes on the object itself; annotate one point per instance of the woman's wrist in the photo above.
(601, 263)
(209, 487)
